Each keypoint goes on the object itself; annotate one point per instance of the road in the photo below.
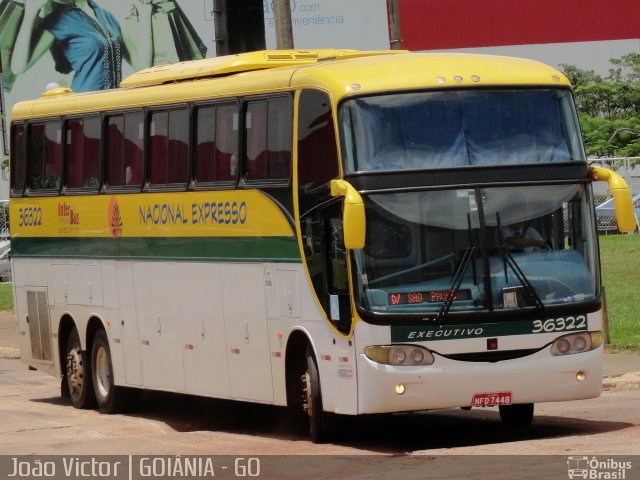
(34, 420)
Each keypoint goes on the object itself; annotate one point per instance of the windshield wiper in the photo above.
(508, 260)
(458, 276)
(529, 289)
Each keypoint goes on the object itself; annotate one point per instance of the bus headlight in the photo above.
(576, 343)
(399, 355)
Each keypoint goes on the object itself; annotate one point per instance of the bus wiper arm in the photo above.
(455, 284)
(529, 289)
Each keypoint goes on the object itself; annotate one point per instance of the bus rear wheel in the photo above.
(110, 399)
(321, 423)
(520, 415)
(78, 373)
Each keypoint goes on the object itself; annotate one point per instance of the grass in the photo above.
(620, 258)
(6, 296)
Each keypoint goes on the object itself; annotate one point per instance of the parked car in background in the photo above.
(606, 215)
(5, 261)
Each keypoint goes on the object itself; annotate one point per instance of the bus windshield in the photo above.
(489, 249)
(424, 130)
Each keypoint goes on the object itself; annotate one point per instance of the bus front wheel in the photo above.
(519, 415)
(78, 373)
(321, 423)
(110, 399)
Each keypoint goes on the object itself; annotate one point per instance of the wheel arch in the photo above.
(94, 324)
(296, 365)
(67, 324)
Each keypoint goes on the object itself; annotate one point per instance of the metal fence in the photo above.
(629, 169)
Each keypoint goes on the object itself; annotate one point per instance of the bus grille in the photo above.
(491, 357)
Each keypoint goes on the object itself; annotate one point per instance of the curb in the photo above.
(9, 353)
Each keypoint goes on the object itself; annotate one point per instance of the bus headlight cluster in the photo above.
(576, 343)
(399, 355)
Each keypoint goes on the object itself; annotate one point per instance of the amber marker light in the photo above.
(400, 389)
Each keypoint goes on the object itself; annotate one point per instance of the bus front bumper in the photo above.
(449, 383)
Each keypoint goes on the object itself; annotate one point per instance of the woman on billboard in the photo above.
(83, 38)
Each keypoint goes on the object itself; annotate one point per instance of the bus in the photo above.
(327, 230)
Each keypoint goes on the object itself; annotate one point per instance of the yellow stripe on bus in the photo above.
(228, 213)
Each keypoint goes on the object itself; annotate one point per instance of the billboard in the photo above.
(93, 44)
(358, 24)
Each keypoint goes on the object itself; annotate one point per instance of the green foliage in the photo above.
(621, 277)
(609, 107)
(6, 296)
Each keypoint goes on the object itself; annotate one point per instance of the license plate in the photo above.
(491, 399)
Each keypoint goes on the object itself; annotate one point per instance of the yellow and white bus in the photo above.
(334, 231)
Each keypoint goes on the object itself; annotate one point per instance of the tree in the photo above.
(609, 107)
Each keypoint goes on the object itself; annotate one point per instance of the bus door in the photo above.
(320, 213)
(321, 229)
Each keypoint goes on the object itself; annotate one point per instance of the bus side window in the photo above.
(216, 151)
(227, 133)
(125, 140)
(256, 148)
(279, 138)
(205, 144)
(83, 153)
(268, 125)
(317, 149)
(158, 147)
(44, 158)
(169, 147)
(18, 159)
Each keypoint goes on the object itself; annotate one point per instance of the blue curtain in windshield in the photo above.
(453, 129)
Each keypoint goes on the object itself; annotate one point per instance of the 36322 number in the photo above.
(561, 324)
(30, 217)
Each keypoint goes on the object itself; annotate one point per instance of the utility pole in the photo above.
(284, 28)
(393, 12)
(3, 131)
(220, 25)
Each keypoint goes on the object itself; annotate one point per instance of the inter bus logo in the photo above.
(114, 218)
(68, 218)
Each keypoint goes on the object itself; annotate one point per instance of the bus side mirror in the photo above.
(622, 200)
(353, 217)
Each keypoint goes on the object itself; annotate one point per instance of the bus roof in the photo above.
(340, 72)
(245, 62)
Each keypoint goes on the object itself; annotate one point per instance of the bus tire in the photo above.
(110, 399)
(519, 415)
(78, 373)
(321, 423)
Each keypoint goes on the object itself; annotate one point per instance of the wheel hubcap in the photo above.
(75, 370)
(307, 404)
(103, 376)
